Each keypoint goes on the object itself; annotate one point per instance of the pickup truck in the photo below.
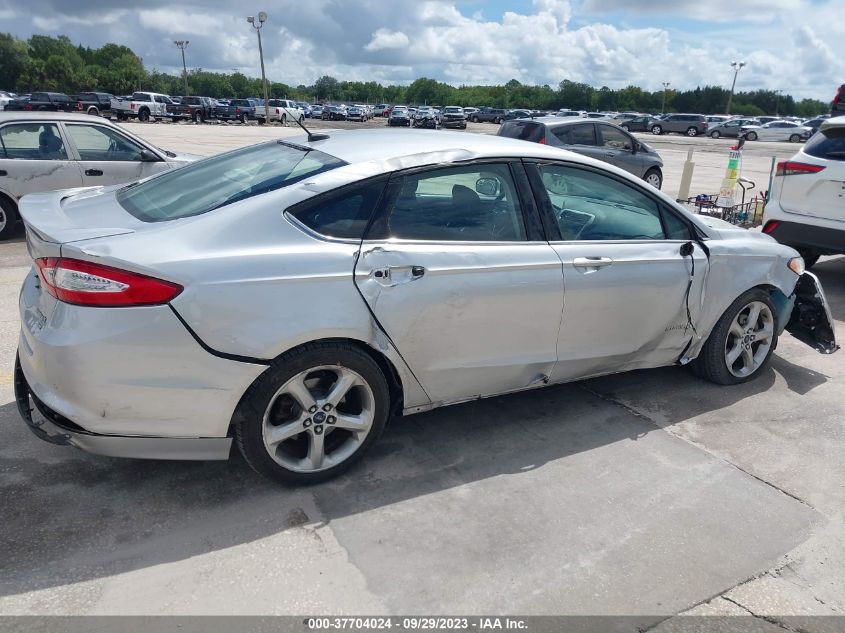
(282, 110)
(197, 109)
(93, 103)
(43, 101)
(238, 110)
(488, 115)
(144, 105)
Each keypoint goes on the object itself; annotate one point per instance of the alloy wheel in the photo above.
(318, 419)
(3, 219)
(749, 339)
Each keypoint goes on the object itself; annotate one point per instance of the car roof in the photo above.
(833, 122)
(12, 115)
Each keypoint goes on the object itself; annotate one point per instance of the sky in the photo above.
(797, 46)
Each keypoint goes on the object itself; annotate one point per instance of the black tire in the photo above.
(795, 138)
(810, 258)
(242, 119)
(143, 115)
(284, 119)
(474, 119)
(715, 134)
(711, 364)
(250, 415)
(497, 120)
(651, 174)
(121, 116)
(464, 126)
(692, 131)
(657, 130)
(751, 136)
(10, 217)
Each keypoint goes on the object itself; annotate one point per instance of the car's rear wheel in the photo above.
(741, 342)
(795, 138)
(692, 131)
(313, 413)
(654, 177)
(751, 136)
(144, 115)
(8, 218)
(657, 130)
(715, 134)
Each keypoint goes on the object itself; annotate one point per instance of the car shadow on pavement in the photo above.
(70, 517)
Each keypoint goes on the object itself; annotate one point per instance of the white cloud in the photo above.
(386, 39)
(181, 21)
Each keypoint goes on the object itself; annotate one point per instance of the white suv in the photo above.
(807, 206)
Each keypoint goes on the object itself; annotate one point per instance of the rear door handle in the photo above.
(3, 172)
(591, 262)
(93, 172)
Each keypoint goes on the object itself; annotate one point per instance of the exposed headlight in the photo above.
(796, 265)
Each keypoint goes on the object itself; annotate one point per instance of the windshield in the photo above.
(216, 182)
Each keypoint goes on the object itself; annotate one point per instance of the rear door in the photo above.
(618, 149)
(457, 272)
(107, 157)
(628, 289)
(34, 157)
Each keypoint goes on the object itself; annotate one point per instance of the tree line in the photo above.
(54, 63)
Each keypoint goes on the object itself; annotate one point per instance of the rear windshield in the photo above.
(523, 130)
(828, 143)
(215, 182)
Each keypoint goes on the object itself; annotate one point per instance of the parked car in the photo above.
(399, 117)
(43, 102)
(280, 110)
(776, 131)
(93, 103)
(768, 119)
(355, 113)
(689, 124)
(716, 119)
(5, 97)
(317, 111)
(194, 108)
(597, 139)
(805, 209)
(837, 106)
(488, 115)
(242, 110)
(386, 297)
(45, 151)
(638, 124)
(563, 112)
(381, 109)
(426, 117)
(453, 117)
(143, 105)
(815, 124)
(517, 114)
(730, 128)
(334, 113)
(306, 108)
(18, 102)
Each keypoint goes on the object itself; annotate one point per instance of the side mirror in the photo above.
(148, 157)
(487, 186)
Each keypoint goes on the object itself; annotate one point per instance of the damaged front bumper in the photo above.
(810, 320)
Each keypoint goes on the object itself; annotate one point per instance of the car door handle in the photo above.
(93, 172)
(3, 172)
(591, 262)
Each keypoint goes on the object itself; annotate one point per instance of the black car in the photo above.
(92, 103)
(489, 115)
(518, 114)
(638, 124)
(197, 109)
(453, 117)
(334, 113)
(44, 101)
(238, 110)
(815, 124)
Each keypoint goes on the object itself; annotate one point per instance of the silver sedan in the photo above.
(293, 296)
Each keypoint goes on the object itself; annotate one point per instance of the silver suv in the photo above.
(689, 124)
(597, 139)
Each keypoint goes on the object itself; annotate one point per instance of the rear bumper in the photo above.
(808, 237)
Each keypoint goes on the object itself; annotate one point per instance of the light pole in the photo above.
(777, 101)
(183, 44)
(262, 18)
(737, 66)
(665, 88)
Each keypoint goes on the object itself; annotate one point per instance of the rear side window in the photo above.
(523, 130)
(828, 143)
(216, 182)
(32, 141)
(341, 214)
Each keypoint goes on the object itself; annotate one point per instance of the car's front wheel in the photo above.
(313, 413)
(715, 134)
(751, 136)
(795, 138)
(741, 342)
(654, 177)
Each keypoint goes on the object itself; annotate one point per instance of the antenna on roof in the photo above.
(311, 135)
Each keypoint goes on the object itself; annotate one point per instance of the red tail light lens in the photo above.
(131, 106)
(28, 106)
(771, 225)
(78, 105)
(792, 168)
(237, 110)
(542, 141)
(88, 284)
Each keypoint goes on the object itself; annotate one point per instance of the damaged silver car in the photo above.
(292, 296)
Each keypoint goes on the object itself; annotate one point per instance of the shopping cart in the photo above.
(745, 214)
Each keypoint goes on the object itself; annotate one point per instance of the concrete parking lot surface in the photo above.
(649, 493)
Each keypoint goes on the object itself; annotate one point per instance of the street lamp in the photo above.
(777, 101)
(737, 66)
(663, 107)
(183, 44)
(262, 18)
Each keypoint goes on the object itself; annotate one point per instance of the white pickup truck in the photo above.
(281, 110)
(143, 105)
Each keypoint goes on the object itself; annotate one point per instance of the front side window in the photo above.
(615, 139)
(33, 141)
(140, 96)
(222, 180)
(97, 143)
(476, 203)
(591, 206)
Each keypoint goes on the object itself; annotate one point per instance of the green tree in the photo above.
(13, 59)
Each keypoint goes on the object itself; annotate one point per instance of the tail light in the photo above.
(792, 168)
(28, 106)
(771, 225)
(542, 141)
(838, 96)
(78, 105)
(93, 285)
(190, 109)
(278, 111)
(237, 110)
(131, 106)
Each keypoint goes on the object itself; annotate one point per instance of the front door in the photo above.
(107, 157)
(628, 301)
(618, 148)
(455, 272)
(34, 157)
